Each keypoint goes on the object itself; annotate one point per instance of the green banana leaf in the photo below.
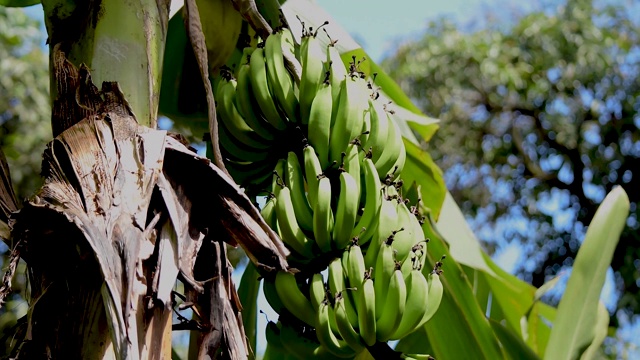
(465, 247)
(514, 297)
(576, 325)
(18, 3)
(602, 329)
(419, 168)
(514, 347)
(536, 332)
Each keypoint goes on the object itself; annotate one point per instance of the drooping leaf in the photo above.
(576, 324)
(465, 247)
(421, 169)
(547, 287)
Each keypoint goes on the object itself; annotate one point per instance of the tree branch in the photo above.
(531, 165)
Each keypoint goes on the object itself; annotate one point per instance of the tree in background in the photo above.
(24, 130)
(539, 122)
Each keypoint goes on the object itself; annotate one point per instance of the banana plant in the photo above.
(133, 202)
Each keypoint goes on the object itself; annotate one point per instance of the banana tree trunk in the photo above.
(126, 210)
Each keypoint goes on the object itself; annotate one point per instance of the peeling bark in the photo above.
(124, 211)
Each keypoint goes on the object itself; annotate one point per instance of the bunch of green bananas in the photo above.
(330, 155)
(357, 305)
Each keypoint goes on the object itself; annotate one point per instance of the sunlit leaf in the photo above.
(453, 226)
(577, 319)
(421, 169)
(602, 324)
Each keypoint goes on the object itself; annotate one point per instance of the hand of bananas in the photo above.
(330, 156)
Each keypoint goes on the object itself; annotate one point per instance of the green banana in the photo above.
(347, 210)
(394, 147)
(261, 92)
(415, 305)
(406, 239)
(372, 203)
(271, 295)
(323, 215)
(384, 268)
(280, 81)
(436, 290)
(317, 291)
(394, 307)
(326, 337)
(293, 299)
(379, 129)
(352, 105)
(352, 165)
(337, 285)
(401, 160)
(236, 150)
(233, 121)
(367, 311)
(277, 179)
(346, 330)
(386, 225)
(268, 211)
(290, 231)
(312, 169)
(332, 316)
(313, 73)
(355, 267)
(366, 129)
(338, 73)
(302, 347)
(248, 295)
(254, 175)
(345, 272)
(319, 129)
(295, 181)
(246, 104)
(415, 259)
(272, 335)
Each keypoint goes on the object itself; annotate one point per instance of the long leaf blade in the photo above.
(575, 326)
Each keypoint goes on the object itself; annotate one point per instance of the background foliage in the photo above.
(539, 122)
(24, 129)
